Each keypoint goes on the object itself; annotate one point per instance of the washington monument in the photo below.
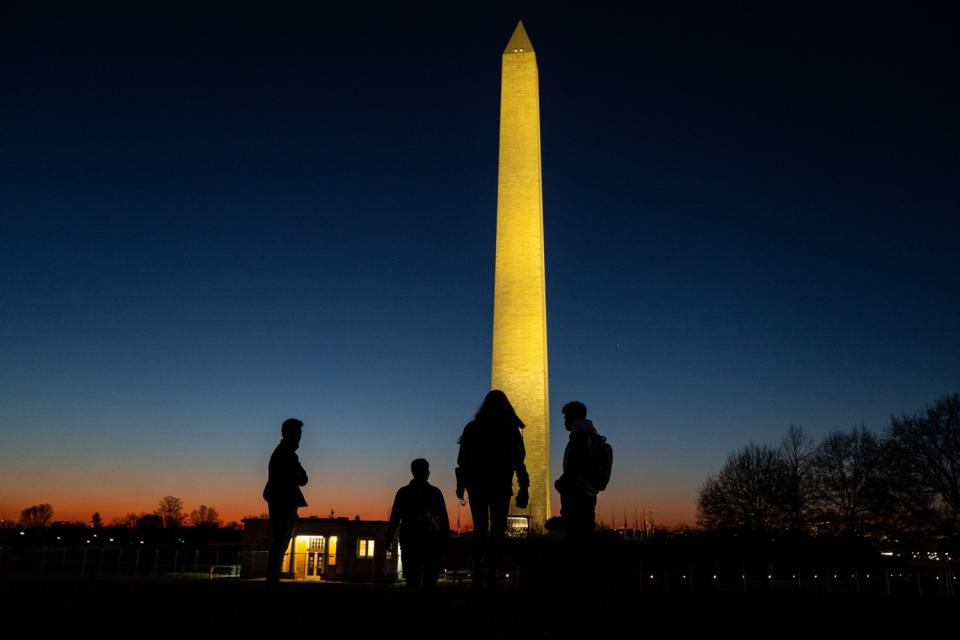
(519, 304)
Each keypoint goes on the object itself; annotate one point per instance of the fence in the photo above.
(124, 561)
(146, 561)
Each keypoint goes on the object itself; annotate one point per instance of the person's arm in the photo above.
(460, 471)
(460, 483)
(562, 483)
(394, 520)
(441, 510)
(519, 458)
(299, 473)
(520, 468)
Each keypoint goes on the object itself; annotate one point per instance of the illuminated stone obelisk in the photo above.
(519, 305)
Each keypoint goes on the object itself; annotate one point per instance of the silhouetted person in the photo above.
(491, 451)
(578, 498)
(421, 514)
(283, 494)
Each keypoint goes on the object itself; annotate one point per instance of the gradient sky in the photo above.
(212, 222)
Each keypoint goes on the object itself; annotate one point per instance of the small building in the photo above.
(323, 549)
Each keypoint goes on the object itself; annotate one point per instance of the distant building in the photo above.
(323, 549)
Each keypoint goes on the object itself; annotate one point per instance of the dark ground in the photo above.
(53, 608)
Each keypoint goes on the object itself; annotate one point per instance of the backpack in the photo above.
(601, 462)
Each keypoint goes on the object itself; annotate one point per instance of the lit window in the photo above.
(332, 551)
(365, 548)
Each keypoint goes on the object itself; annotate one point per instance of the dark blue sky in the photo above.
(210, 222)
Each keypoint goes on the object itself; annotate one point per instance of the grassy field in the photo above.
(183, 608)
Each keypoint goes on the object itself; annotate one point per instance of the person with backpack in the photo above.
(420, 513)
(491, 452)
(587, 462)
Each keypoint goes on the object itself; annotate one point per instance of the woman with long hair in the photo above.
(491, 451)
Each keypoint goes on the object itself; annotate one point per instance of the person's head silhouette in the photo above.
(496, 407)
(420, 469)
(292, 431)
(573, 411)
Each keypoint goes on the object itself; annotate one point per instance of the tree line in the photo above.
(902, 481)
(169, 514)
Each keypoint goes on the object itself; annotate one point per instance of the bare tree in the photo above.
(799, 484)
(170, 511)
(745, 495)
(205, 517)
(848, 471)
(923, 460)
(129, 521)
(39, 515)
